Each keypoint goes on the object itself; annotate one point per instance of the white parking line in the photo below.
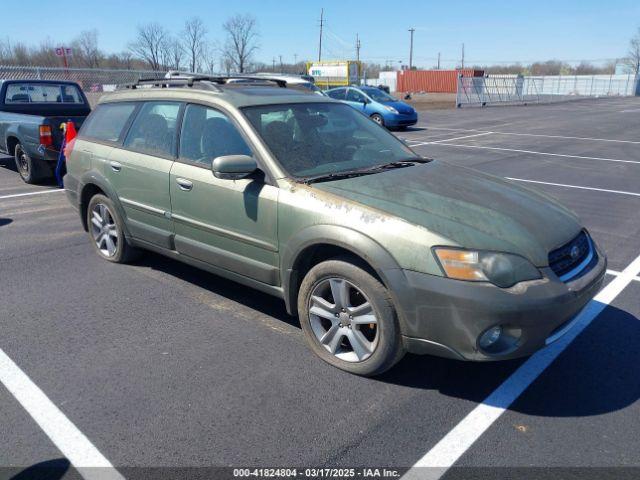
(539, 134)
(601, 159)
(615, 274)
(447, 451)
(620, 192)
(431, 142)
(461, 138)
(39, 192)
(77, 448)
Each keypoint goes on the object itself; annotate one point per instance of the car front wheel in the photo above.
(376, 117)
(348, 318)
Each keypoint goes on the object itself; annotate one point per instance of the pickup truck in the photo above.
(31, 112)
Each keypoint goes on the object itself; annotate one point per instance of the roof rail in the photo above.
(211, 80)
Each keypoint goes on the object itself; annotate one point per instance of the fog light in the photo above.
(490, 337)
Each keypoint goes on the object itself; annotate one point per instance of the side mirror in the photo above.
(233, 167)
(366, 101)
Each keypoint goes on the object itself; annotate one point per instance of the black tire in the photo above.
(31, 170)
(376, 117)
(388, 350)
(124, 252)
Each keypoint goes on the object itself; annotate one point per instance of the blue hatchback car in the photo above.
(377, 104)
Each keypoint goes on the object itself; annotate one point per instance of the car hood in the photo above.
(401, 107)
(470, 208)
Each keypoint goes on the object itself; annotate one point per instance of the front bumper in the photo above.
(445, 317)
(400, 120)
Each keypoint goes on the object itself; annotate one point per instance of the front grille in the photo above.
(564, 260)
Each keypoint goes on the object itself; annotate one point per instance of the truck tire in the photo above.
(31, 170)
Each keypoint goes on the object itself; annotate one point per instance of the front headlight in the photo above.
(391, 109)
(502, 269)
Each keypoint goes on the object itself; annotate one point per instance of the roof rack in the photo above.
(210, 81)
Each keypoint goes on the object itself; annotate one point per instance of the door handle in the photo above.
(184, 184)
(115, 166)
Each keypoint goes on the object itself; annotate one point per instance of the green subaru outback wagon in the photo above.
(378, 250)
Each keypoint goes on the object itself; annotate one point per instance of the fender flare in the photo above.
(353, 241)
(94, 177)
(12, 131)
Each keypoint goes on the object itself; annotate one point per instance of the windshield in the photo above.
(311, 139)
(378, 95)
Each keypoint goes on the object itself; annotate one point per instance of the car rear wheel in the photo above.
(31, 170)
(376, 117)
(106, 232)
(348, 318)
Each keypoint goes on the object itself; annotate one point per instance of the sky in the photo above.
(492, 31)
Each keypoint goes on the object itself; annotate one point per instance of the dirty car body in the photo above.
(377, 249)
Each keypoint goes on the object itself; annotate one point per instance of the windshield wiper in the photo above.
(405, 162)
(337, 175)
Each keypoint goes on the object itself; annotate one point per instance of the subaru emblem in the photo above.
(575, 252)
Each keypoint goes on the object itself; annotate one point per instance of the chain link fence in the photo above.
(94, 82)
(518, 89)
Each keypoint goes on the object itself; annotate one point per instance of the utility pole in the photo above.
(273, 65)
(320, 43)
(281, 67)
(411, 30)
(295, 58)
(438, 60)
(358, 55)
(462, 63)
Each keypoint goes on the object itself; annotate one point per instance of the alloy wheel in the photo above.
(104, 230)
(343, 320)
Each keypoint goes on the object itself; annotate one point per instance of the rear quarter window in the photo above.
(107, 122)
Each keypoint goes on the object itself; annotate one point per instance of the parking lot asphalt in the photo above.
(160, 364)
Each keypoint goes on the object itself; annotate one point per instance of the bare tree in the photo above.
(241, 40)
(6, 53)
(150, 44)
(86, 48)
(194, 42)
(207, 61)
(176, 53)
(125, 59)
(633, 58)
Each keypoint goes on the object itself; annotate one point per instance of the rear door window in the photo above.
(338, 93)
(355, 96)
(108, 121)
(208, 133)
(154, 130)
